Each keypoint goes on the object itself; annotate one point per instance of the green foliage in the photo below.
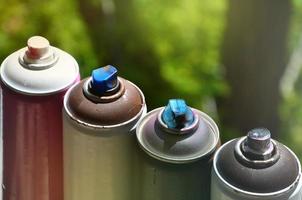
(291, 107)
(58, 20)
(173, 42)
(296, 21)
(186, 37)
(291, 114)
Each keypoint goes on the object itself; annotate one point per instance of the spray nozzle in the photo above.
(104, 79)
(258, 144)
(177, 114)
(39, 53)
(37, 47)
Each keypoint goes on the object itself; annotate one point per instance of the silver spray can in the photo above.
(255, 167)
(100, 115)
(177, 144)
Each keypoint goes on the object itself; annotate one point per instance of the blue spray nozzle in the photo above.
(104, 79)
(177, 114)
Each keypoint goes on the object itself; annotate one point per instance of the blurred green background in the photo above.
(237, 60)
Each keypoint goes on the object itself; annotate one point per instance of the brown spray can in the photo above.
(100, 115)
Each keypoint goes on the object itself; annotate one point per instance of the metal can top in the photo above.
(239, 166)
(162, 140)
(39, 69)
(121, 103)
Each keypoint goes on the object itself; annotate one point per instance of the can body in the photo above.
(33, 83)
(98, 157)
(171, 166)
(98, 164)
(219, 191)
(160, 180)
(32, 138)
(278, 180)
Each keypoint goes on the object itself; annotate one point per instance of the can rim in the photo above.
(36, 93)
(257, 194)
(191, 159)
(96, 126)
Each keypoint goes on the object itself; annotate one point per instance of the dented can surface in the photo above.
(100, 115)
(175, 155)
(256, 167)
(34, 80)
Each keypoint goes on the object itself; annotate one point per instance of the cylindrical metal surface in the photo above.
(32, 92)
(99, 139)
(175, 163)
(241, 173)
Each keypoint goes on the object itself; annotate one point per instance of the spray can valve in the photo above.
(177, 114)
(37, 47)
(258, 144)
(104, 80)
(39, 54)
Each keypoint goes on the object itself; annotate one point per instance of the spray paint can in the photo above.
(34, 80)
(100, 116)
(255, 167)
(177, 144)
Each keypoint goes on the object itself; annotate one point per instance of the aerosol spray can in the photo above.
(34, 80)
(177, 145)
(255, 167)
(100, 116)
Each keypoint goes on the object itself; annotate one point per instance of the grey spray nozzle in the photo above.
(258, 144)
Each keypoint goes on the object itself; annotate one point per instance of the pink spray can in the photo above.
(34, 80)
